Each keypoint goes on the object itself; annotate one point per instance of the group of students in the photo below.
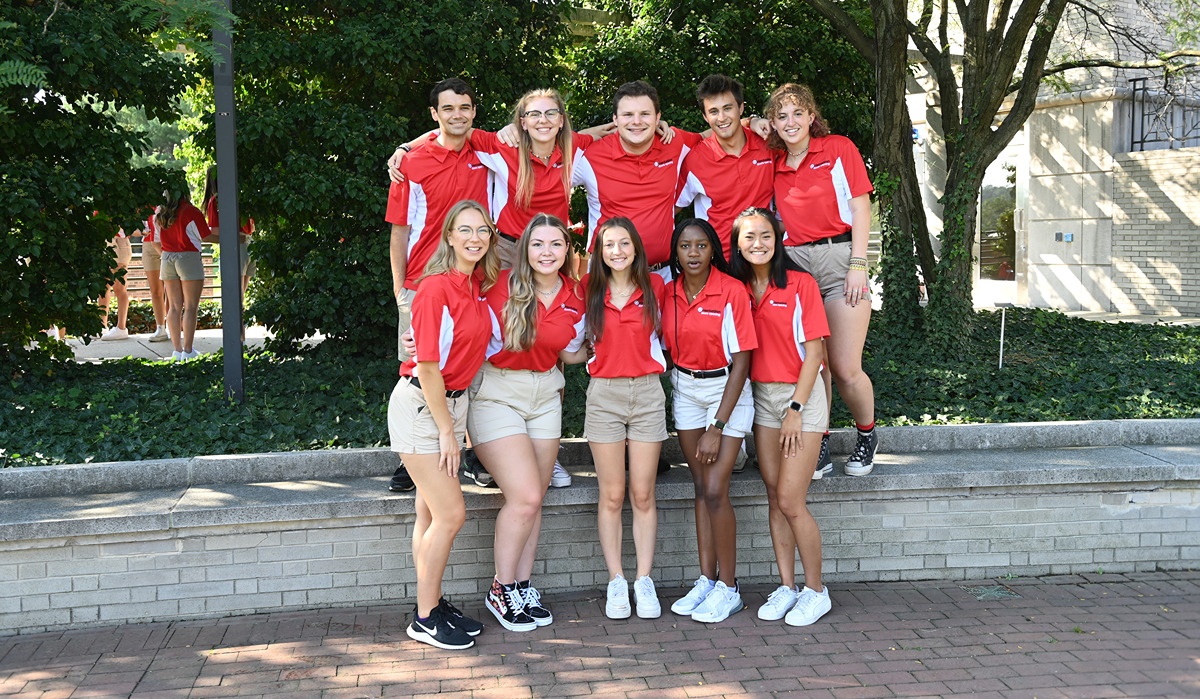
(718, 300)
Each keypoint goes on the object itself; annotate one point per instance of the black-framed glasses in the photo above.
(549, 114)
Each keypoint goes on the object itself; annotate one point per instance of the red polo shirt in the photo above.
(814, 200)
(549, 195)
(713, 327)
(629, 347)
(559, 327)
(214, 220)
(724, 185)
(184, 235)
(435, 179)
(785, 319)
(638, 187)
(451, 325)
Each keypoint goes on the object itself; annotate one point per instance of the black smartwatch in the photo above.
(797, 406)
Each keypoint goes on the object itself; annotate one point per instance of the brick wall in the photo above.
(1156, 232)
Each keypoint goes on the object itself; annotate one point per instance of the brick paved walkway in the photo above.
(1068, 636)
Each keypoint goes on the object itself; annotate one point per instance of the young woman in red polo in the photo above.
(823, 196)
(709, 333)
(790, 409)
(182, 229)
(427, 414)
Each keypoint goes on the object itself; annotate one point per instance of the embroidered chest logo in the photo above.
(762, 162)
(665, 163)
(818, 166)
(568, 309)
(778, 304)
(474, 166)
(708, 312)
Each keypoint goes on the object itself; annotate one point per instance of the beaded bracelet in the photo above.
(858, 264)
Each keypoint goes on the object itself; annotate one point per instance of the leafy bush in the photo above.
(141, 316)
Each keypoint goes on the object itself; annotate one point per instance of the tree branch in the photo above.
(1164, 61)
(849, 28)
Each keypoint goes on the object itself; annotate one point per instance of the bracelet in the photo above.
(404, 147)
(859, 260)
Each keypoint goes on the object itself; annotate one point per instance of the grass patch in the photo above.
(1055, 368)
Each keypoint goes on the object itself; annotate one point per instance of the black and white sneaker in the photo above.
(533, 604)
(824, 461)
(439, 632)
(401, 481)
(862, 460)
(507, 604)
(473, 469)
(462, 621)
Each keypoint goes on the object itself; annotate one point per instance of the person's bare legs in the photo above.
(795, 475)
(443, 495)
(174, 289)
(547, 453)
(513, 463)
(190, 307)
(716, 525)
(157, 297)
(843, 351)
(609, 459)
(643, 476)
(770, 464)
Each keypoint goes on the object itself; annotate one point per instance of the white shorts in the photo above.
(694, 404)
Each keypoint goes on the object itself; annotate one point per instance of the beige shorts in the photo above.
(151, 258)
(246, 264)
(505, 402)
(124, 250)
(506, 249)
(625, 408)
(771, 401)
(412, 428)
(404, 310)
(186, 266)
(828, 264)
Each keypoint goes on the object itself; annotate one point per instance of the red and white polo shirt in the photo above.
(559, 327)
(452, 325)
(813, 200)
(724, 185)
(214, 219)
(186, 233)
(629, 347)
(784, 320)
(705, 334)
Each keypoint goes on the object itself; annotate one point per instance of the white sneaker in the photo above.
(560, 478)
(719, 604)
(778, 604)
(115, 333)
(647, 598)
(811, 605)
(617, 606)
(186, 356)
(160, 335)
(177, 356)
(689, 602)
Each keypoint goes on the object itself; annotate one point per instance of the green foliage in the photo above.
(140, 318)
(324, 92)
(900, 321)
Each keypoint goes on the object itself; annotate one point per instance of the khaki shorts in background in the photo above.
(185, 266)
(828, 264)
(507, 402)
(506, 249)
(626, 408)
(404, 310)
(411, 426)
(151, 258)
(124, 250)
(771, 401)
(247, 266)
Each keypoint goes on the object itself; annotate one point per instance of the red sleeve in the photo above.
(688, 138)
(210, 212)
(485, 141)
(397, 206)
(812, 307)
(743, 318)
(580, 141)
(428, 307)
(856, 171)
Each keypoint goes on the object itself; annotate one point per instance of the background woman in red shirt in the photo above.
(182, 229)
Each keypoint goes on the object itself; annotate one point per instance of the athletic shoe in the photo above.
(533, 604)
(811, 605)
(507, 604)
(617, 606)
(778, 604)
(462, 621)
(719, 604)
(401, 481)
(188, 356)
(647, 598)
(663, 466)
(115, 333)
(824, 461)
(739, 462)
(560, 478)
(689, 602)
(863, 459)
(177, 356)
(438, 631)
(473, 469)
(160, 335)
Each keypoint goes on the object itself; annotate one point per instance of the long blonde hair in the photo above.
(563, 141)
(521, 308)
(443, 259)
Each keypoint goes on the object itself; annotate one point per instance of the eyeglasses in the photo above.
(549, 114)
(483, 231)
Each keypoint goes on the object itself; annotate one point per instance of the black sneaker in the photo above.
(401, 481)
(533, 604)
(439, 632)
(474, 470)
(507, 604)
(824, 461)
(862, 461)
(663, 465)
(462, 621)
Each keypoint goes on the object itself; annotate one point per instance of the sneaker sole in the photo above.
(425, 637)
(543, 622)
(649, 614)
(807, 622)
(616, 612)
(560, 484)
(394, 489)
(682, 612)
(774, 618)
(717, 621)
(508, 624)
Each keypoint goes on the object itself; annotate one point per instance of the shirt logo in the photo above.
(762, 162)
(473, 166)
(816, 166)
(704, 312)
(568, 309)
(778, 304)
(664, 164)
(638, 303)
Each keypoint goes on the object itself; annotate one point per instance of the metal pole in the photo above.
(227, 210)
(1003, 315)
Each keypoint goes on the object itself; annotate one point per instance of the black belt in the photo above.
(710, 374)
(449, 394)
(505, 235)
(841, 238)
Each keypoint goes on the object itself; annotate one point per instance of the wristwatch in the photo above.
(797, 406)
(718, 423)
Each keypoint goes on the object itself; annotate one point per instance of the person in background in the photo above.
(152, 263)
(183, 229)
(246, 266)
(120, 243)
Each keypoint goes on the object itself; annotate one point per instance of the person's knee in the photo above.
(715, 497)
(611, 502)
(793, 507)
(641, 500)
(450, 518)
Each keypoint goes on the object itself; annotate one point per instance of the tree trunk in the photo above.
(950, 309)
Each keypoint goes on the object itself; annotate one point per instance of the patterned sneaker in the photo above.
(778, 604)
(560, 478)
(507, 604)
(533, 604)
(462, 621)
(719, 604)
(647, 598)
(811, 605)
(824, 461)
(617, 606)
(863, 459)
(439, 632)
(688, 603)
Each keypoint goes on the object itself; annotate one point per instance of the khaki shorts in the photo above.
(625, 408)
(186, 266)
(124, 250)
(151, 257)
(505, 402)
(694, 404)
(506, 249)
(412, 428)
(246, 264)
(771, 401)
(404, 310)
(828, 264)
